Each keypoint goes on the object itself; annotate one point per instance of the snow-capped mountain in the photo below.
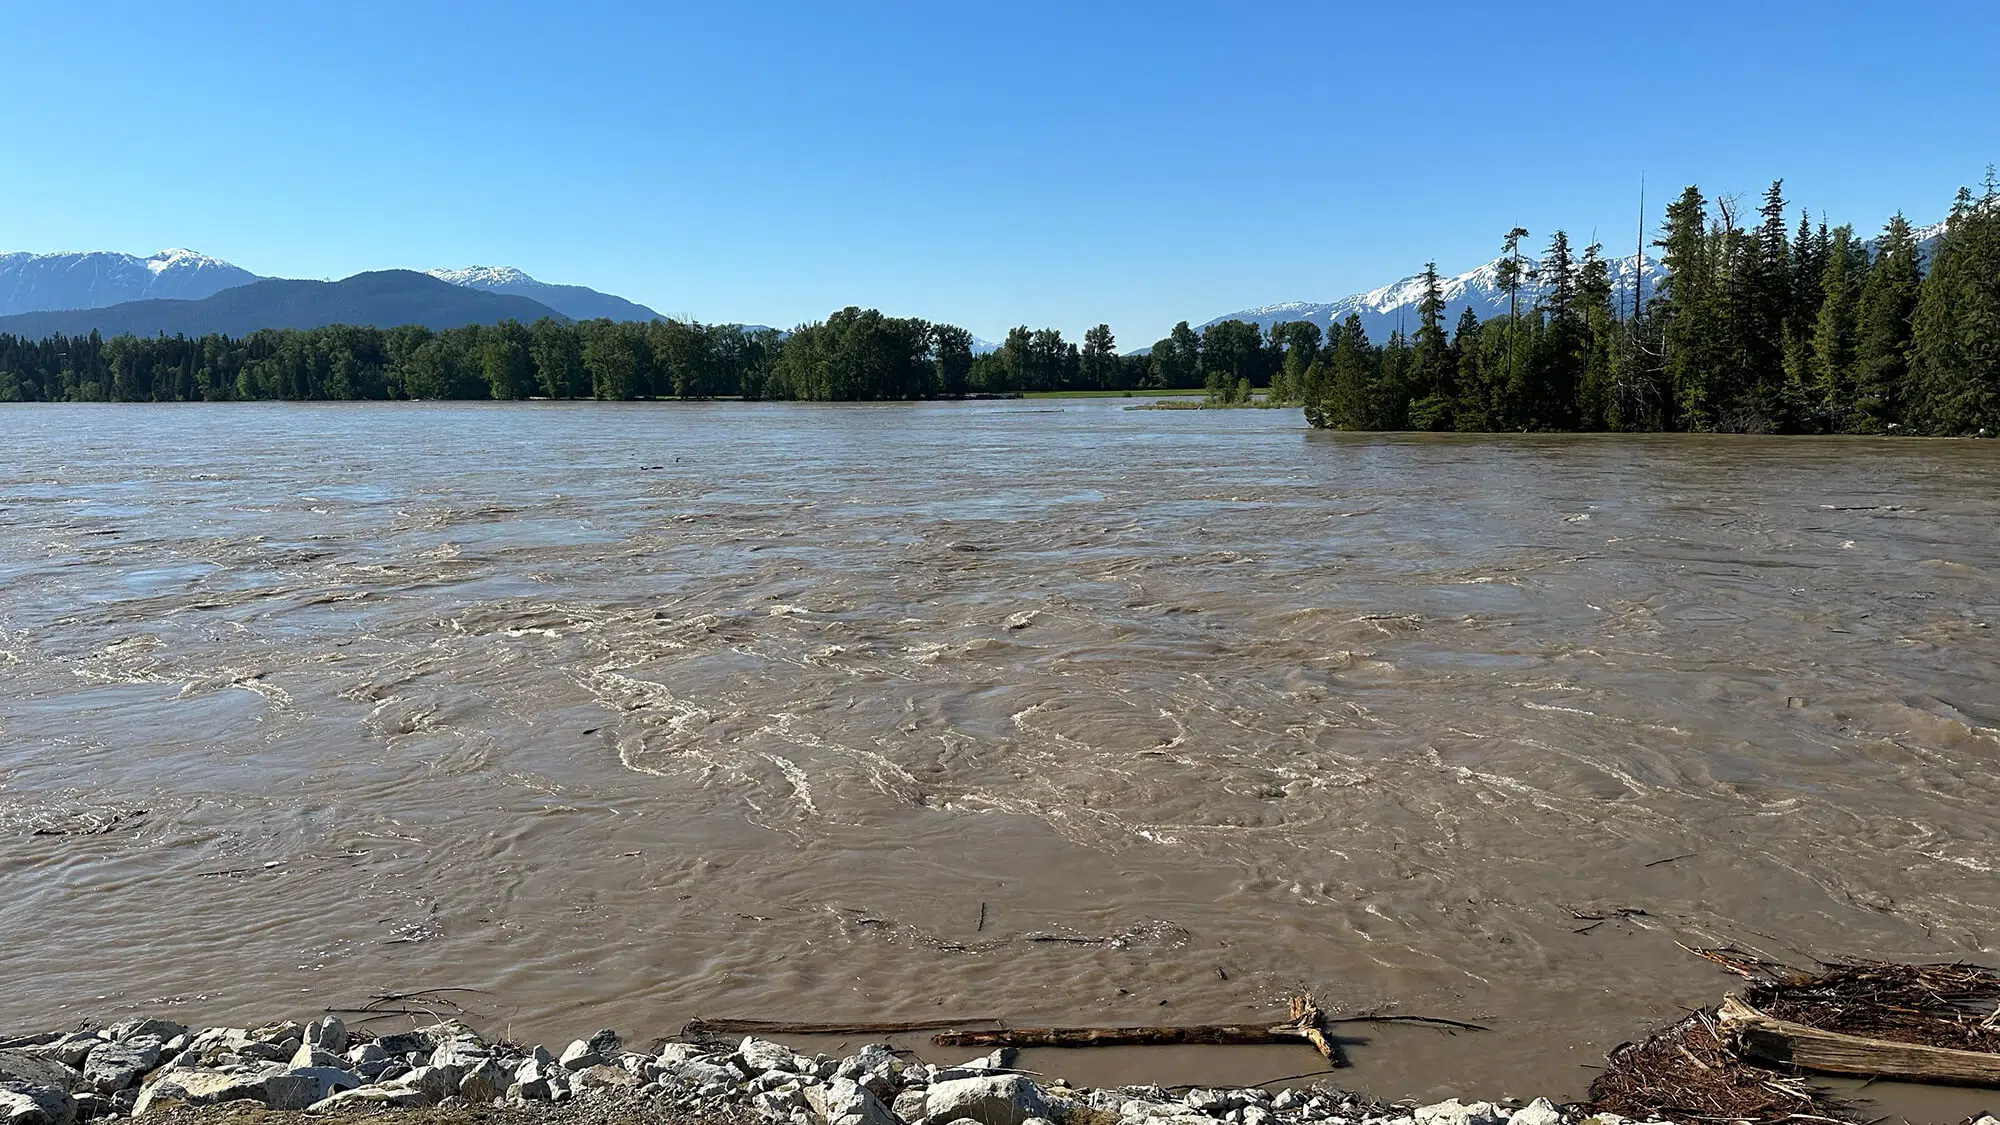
(573, 301)
(1394, 306)
(97, 278)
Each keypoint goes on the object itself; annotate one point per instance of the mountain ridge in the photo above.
(383, 299)
(99, 279)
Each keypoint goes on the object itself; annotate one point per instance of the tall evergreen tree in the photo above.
(1471, 412)
(1829, 387)
(1349, 402)
(1686, 305)
(1955, 369)
(1598, 320)
(1433, 368)
(1885, 331)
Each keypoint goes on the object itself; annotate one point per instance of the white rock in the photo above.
(1001, 1099)
(844, 1101)
(1453, 1112)
(756, 1056)
(1212, 1101)
(310, 1055)
(579, 1056)
(389, 1094)
(674, 1054)
(1255, 1115)
(604, 1076)
(1542, 1111)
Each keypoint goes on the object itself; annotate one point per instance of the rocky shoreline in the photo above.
(160, 1069)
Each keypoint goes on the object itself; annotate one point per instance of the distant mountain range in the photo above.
(94, 279)
(184, 291)
(1394, 306)
(101, 279)
(384, 299)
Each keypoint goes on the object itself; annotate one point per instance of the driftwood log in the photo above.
(1831, 1052)
(699, 1028)
(1306, 1025)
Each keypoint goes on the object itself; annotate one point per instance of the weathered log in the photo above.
(1209, 1033)
(1831, 1052)
(1305, 1026)
(698, 1027)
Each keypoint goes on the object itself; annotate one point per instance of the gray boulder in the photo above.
(436, 1082)
(117, 1066)
(709, 1078)
(34, 1070)
(909, 1106)
(23, 1103)
(162, 1030)
(266, 1052)
(199, 1086)
(483, 1081)
(71, 1049)
(1001, 1099)
(463, 1052)
(606, 1045)
(329, 1034)
(327, 1081)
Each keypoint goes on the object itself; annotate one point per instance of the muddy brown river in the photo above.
(1053, 712)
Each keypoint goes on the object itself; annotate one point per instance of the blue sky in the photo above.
(987, 164)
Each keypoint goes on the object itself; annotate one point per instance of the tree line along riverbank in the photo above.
(1756, 328)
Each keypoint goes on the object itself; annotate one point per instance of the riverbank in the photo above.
(163, 1071)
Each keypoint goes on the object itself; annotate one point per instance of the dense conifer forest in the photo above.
(1761, 326)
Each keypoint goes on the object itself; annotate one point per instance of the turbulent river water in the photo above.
(1055, 712)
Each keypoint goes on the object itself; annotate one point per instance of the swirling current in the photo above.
(1055, 712)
